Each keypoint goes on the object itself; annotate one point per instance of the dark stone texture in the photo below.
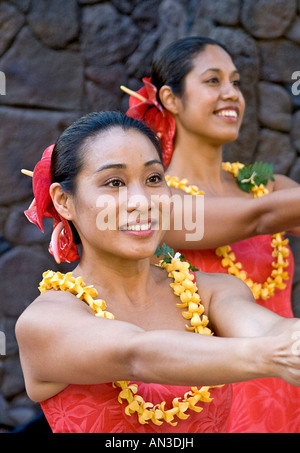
(295, 133)
(145, 14)
(99, 43)
(139, 63)
(4, 245)
(267, 19)
(41, 77)
(19, 231)
(55, 23)
(11, 22)
(295, 171)
(275, 107)
(222, 12)
(21, 269)
(276, 148)
(294, 243)
(171, 25)
(279, 59)
(293, 33)
(295, 299)
(22, 5)
(100, 99)
(25, 134)
(124, 6)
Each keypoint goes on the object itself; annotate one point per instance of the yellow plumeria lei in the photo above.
(186, 289)
(280, 251)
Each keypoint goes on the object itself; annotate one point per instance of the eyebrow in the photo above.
(235, 71)
(151, 162)
(107, 167)
(123, 166)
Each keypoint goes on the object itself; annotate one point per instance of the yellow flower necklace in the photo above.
(186, 289)
(280, 251)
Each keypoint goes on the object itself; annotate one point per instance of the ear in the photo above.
(168, 99)
(62, 201)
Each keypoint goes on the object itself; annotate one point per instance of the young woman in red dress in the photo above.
(105, 348)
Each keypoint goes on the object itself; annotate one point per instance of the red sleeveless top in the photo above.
(95, 409)
(263, 405)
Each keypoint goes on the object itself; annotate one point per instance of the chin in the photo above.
(137, 250)
(228, 137)
(142, 251)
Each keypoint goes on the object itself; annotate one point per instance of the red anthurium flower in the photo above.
(41, 182)
(62, 246)
(151, 112)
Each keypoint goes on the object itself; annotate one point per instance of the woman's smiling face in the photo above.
(115, 208)
(212, 104)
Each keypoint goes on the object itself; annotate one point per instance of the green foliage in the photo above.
(168, 254)
(166, 251)
(254, 175)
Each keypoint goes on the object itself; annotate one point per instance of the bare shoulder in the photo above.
(281, 182)
(45, 312)
(51, 319)
(53, 300)
(211, 285)
(210, 281)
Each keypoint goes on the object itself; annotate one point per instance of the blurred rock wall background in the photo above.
(63, 59)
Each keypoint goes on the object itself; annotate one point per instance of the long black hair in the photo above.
(68, 153)
(177, 60)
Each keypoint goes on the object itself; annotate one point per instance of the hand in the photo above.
(286, 354)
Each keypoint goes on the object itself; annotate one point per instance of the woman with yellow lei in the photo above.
(119, 344)
(194, 102)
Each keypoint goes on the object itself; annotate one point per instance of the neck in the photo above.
(197, 160)
(126, 279)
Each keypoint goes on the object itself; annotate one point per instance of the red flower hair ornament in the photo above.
(143, 106)
(62, 245)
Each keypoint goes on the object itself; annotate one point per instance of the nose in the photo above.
(230, 91)
(138, 199)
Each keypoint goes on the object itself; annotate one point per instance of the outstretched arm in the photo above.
(62, 342)
(234, 313)
(281, 183)
(230, 219)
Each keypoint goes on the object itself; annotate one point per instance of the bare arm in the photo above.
(62, 342)
(231, 219)
(281, 183)
(234, 313)
(250, 341)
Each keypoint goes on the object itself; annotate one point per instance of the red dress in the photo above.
(267, 405)
(95, 409)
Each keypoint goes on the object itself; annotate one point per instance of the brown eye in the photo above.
(154, 179)
(115, 183)
(213, 80)
(237, 83)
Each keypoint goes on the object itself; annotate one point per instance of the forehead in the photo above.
(213, 56)
(118, 145)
